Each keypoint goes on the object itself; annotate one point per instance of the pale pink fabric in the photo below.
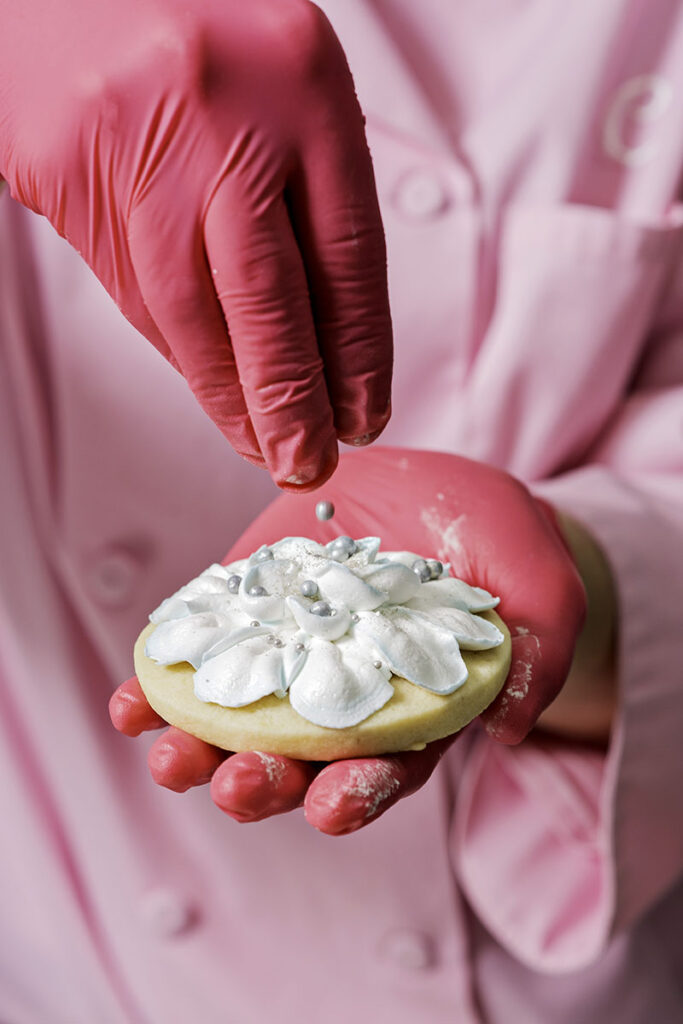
(535, 258)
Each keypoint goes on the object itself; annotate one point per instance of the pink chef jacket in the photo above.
(528, 158)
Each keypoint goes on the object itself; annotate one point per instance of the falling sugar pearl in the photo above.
(324, 510)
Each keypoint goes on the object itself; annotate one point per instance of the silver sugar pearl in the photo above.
(377, 664)
(309, 588)
(263, 554)
(234, 583)
(345, 544)
(421, 569)
(338, 554)
(355, 618)
(254, 623)
(299, 648)
(257, 591)
(320, 608)
(435, 568)
(278, 642)
(271, 638)
(324, 510)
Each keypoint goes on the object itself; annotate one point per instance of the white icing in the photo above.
(376, 619)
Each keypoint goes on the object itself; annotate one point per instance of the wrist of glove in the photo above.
(494, 534)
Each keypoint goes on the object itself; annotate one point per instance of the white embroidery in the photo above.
(642, 101)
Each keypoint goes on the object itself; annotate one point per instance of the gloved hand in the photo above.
(494, 534)
(209, 163)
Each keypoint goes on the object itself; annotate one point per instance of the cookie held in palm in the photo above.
(324, 651)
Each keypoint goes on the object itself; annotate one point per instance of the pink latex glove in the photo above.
(494, 534)
(209, 163)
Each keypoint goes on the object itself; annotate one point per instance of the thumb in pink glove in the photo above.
(209, 163)
(494, 534)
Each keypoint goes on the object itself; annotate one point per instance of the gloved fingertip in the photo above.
(130, 712)
(360, 439)
(168, 766)
(301, 479)
(251, 786)
(350, 794)
(179, 761)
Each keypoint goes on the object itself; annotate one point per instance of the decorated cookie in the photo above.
(324, 651)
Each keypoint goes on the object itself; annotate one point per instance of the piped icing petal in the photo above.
(341, 586)
(242, 674)
(217, 570)
(170, 608)
(325, 627)
(454, 593)
(335, 688)
(414, 647)
(185, 639)
(236, 568)
(471, 631)
(366, 551)
(397, 581)
(273, 580)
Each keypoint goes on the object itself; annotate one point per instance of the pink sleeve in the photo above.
(560, 848)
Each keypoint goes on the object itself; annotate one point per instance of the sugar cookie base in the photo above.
(413, 717)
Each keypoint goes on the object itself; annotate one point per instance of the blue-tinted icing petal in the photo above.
(184, 639)
(240, 675)
(219, 571)
(276, 577)
(293, 547)
(292, 660)
(421, 651)
(397, 581)
(336, 688)
(326, 627)
(171, 608)
(406, 558)
(454, 593)
(204, 585)
(235, 636)
(236, 568)
(340, 586)
(220, 604)
(471, 631)
(367, 548)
